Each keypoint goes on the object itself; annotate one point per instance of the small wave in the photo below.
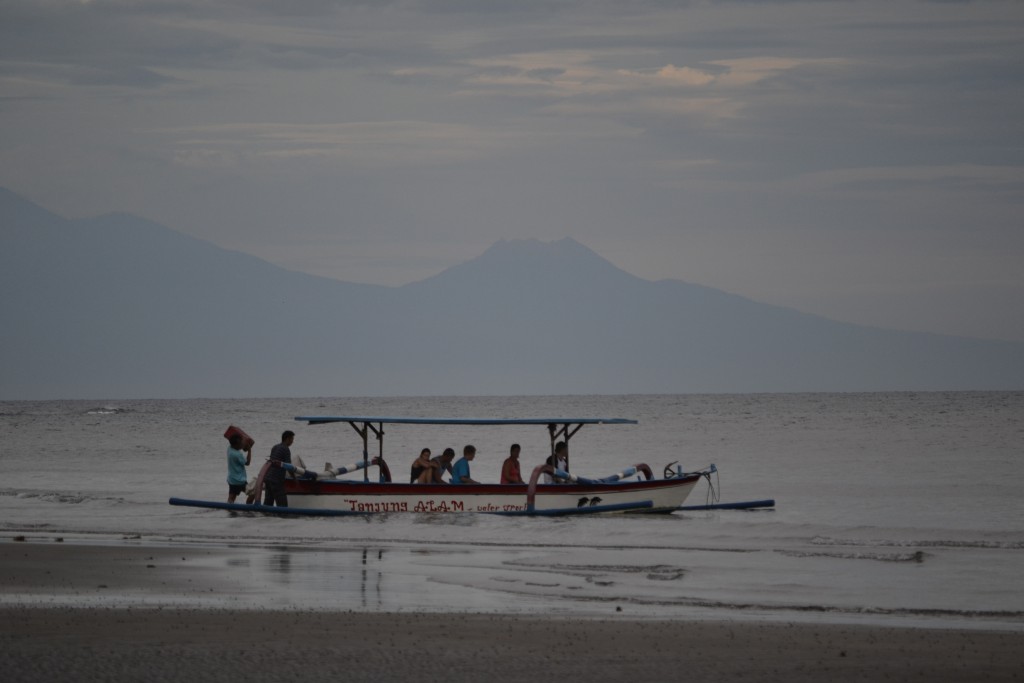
(916, 556)
(618, 568)
(107, 410)
(657, 572)
(27, 527)
(686, 601)
(937, 543)
(65, 497)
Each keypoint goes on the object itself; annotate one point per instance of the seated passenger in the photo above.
(510, 468)
(422, 470)
(560, 461)
(444, 464)
(460, 471)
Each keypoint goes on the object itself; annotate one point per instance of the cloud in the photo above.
(731, 73)
(585, 83)
(571, 73)
(375, 143)
(684, 75)
(706, 109)
(557, 73)
(668, 75)
(750, 70)
(964, 176)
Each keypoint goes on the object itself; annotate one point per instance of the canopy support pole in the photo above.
(364, 433)
(563, 430)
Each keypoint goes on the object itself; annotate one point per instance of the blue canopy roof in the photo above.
(314, 420)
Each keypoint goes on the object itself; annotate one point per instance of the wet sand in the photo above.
(45, 644)
(90, 612)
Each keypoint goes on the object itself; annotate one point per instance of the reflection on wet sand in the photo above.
(322, 579)
(281, 563)
(376, 579)
(410, 577)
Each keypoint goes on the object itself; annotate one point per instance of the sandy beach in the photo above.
(102, 612)
(169, 644)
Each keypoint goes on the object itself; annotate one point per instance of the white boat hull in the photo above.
(659, 495)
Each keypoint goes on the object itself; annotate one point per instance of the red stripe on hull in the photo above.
(331, 487)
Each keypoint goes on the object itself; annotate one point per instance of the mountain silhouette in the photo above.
(121, 307)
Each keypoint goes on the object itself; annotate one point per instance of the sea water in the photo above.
(890, 507)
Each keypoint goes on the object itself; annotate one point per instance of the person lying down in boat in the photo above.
(300, 471)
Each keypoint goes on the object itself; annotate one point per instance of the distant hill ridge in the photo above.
(121, 307)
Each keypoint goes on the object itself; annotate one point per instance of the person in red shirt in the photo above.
(510, 468)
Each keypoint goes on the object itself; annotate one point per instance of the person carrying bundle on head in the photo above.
(237, 462)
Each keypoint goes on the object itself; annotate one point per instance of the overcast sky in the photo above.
(860, 160)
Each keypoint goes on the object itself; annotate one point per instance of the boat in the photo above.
(634, 489)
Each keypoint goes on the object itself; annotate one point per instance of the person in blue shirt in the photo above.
(236, 467)
(460, 470)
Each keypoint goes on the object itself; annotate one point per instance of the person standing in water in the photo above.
(273, 480)
(237, 462)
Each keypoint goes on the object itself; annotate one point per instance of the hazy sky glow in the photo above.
(862, 160)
